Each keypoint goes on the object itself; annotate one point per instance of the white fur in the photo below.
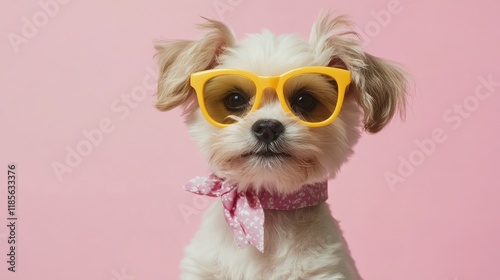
(299, 244)
(303, 244)
(320, 254)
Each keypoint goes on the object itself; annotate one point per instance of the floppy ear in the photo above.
(378, 85)
(381, 92)
(177, 60)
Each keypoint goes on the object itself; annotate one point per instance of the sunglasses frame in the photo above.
(198, 81)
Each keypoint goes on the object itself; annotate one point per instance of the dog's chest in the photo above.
(299, 244)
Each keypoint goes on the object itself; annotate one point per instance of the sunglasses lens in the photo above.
(229, 97)
(311, 97)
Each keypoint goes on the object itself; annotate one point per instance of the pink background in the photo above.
(116, 214)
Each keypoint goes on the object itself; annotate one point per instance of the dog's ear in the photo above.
(177, 60)
(378, 85)
(381, 92)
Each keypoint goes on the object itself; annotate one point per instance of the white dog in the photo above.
(276, 117)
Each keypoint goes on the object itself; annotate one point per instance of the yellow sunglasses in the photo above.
(313, 94)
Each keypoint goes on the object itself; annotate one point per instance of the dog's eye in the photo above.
(235, 101)
(303, 102)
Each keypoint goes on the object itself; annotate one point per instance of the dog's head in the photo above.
(273, 145)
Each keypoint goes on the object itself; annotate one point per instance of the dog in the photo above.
(275, 116)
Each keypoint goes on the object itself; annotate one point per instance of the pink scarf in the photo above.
(244, 211)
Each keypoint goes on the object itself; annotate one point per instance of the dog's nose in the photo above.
(267, 131)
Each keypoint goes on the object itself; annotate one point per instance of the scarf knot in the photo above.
(244, 210)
